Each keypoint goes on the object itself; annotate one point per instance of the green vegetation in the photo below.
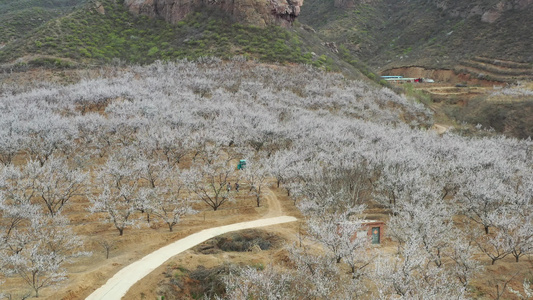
(419, 95)
(17, 23)
(510, 118)
(11, 5)
(393, 33)
(17, 18)
(88, 36)
(347, 56)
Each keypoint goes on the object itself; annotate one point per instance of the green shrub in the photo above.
(153, 51)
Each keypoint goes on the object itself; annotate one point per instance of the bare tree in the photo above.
(118, 199)
(108, 245)
(209, 177)
(501, 287)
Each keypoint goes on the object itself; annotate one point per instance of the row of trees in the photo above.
(439, 226)
(144, 144)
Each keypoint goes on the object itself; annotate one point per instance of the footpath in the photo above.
(117, 286)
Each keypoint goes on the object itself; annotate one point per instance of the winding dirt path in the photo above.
(274, 207)
(116, 287)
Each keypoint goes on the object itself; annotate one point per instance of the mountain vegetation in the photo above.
(17, 18)
(91, 36)
(436, 34)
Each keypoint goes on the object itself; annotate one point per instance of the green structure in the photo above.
(242, 164)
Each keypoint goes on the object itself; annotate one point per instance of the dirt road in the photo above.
(118, 285)
(274, 207)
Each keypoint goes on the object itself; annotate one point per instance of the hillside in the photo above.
(17, 18)
(141, 130)
(436, 34)
(99, 34)
(487, 39)
(107, 32)
(135, 152)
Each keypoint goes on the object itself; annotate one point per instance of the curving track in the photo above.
(116, 287)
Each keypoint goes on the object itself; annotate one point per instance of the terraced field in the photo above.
(496, 69)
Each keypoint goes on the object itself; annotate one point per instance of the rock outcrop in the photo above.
(251, 12)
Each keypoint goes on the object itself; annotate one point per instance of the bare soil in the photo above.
(89, 273)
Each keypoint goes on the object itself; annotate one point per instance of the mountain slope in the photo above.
(19, 17)
(109, 31)
(393, 33)
(106, 32)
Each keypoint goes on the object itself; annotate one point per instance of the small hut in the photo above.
(372, 228)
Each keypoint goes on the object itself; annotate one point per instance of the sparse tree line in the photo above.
(118, 144)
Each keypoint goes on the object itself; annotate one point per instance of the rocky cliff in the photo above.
(251, 12)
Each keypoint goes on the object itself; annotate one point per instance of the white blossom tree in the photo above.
(410, 276)
(12, 141)
(49, 135)
(484, 195)
(118, 185)
(494, 246)
(251, 283)
(528, 291)
(256, 176)
(172, 144)
(168, 200)
(517, 233)
(338, 233)
(40, 258)
(57, 183)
